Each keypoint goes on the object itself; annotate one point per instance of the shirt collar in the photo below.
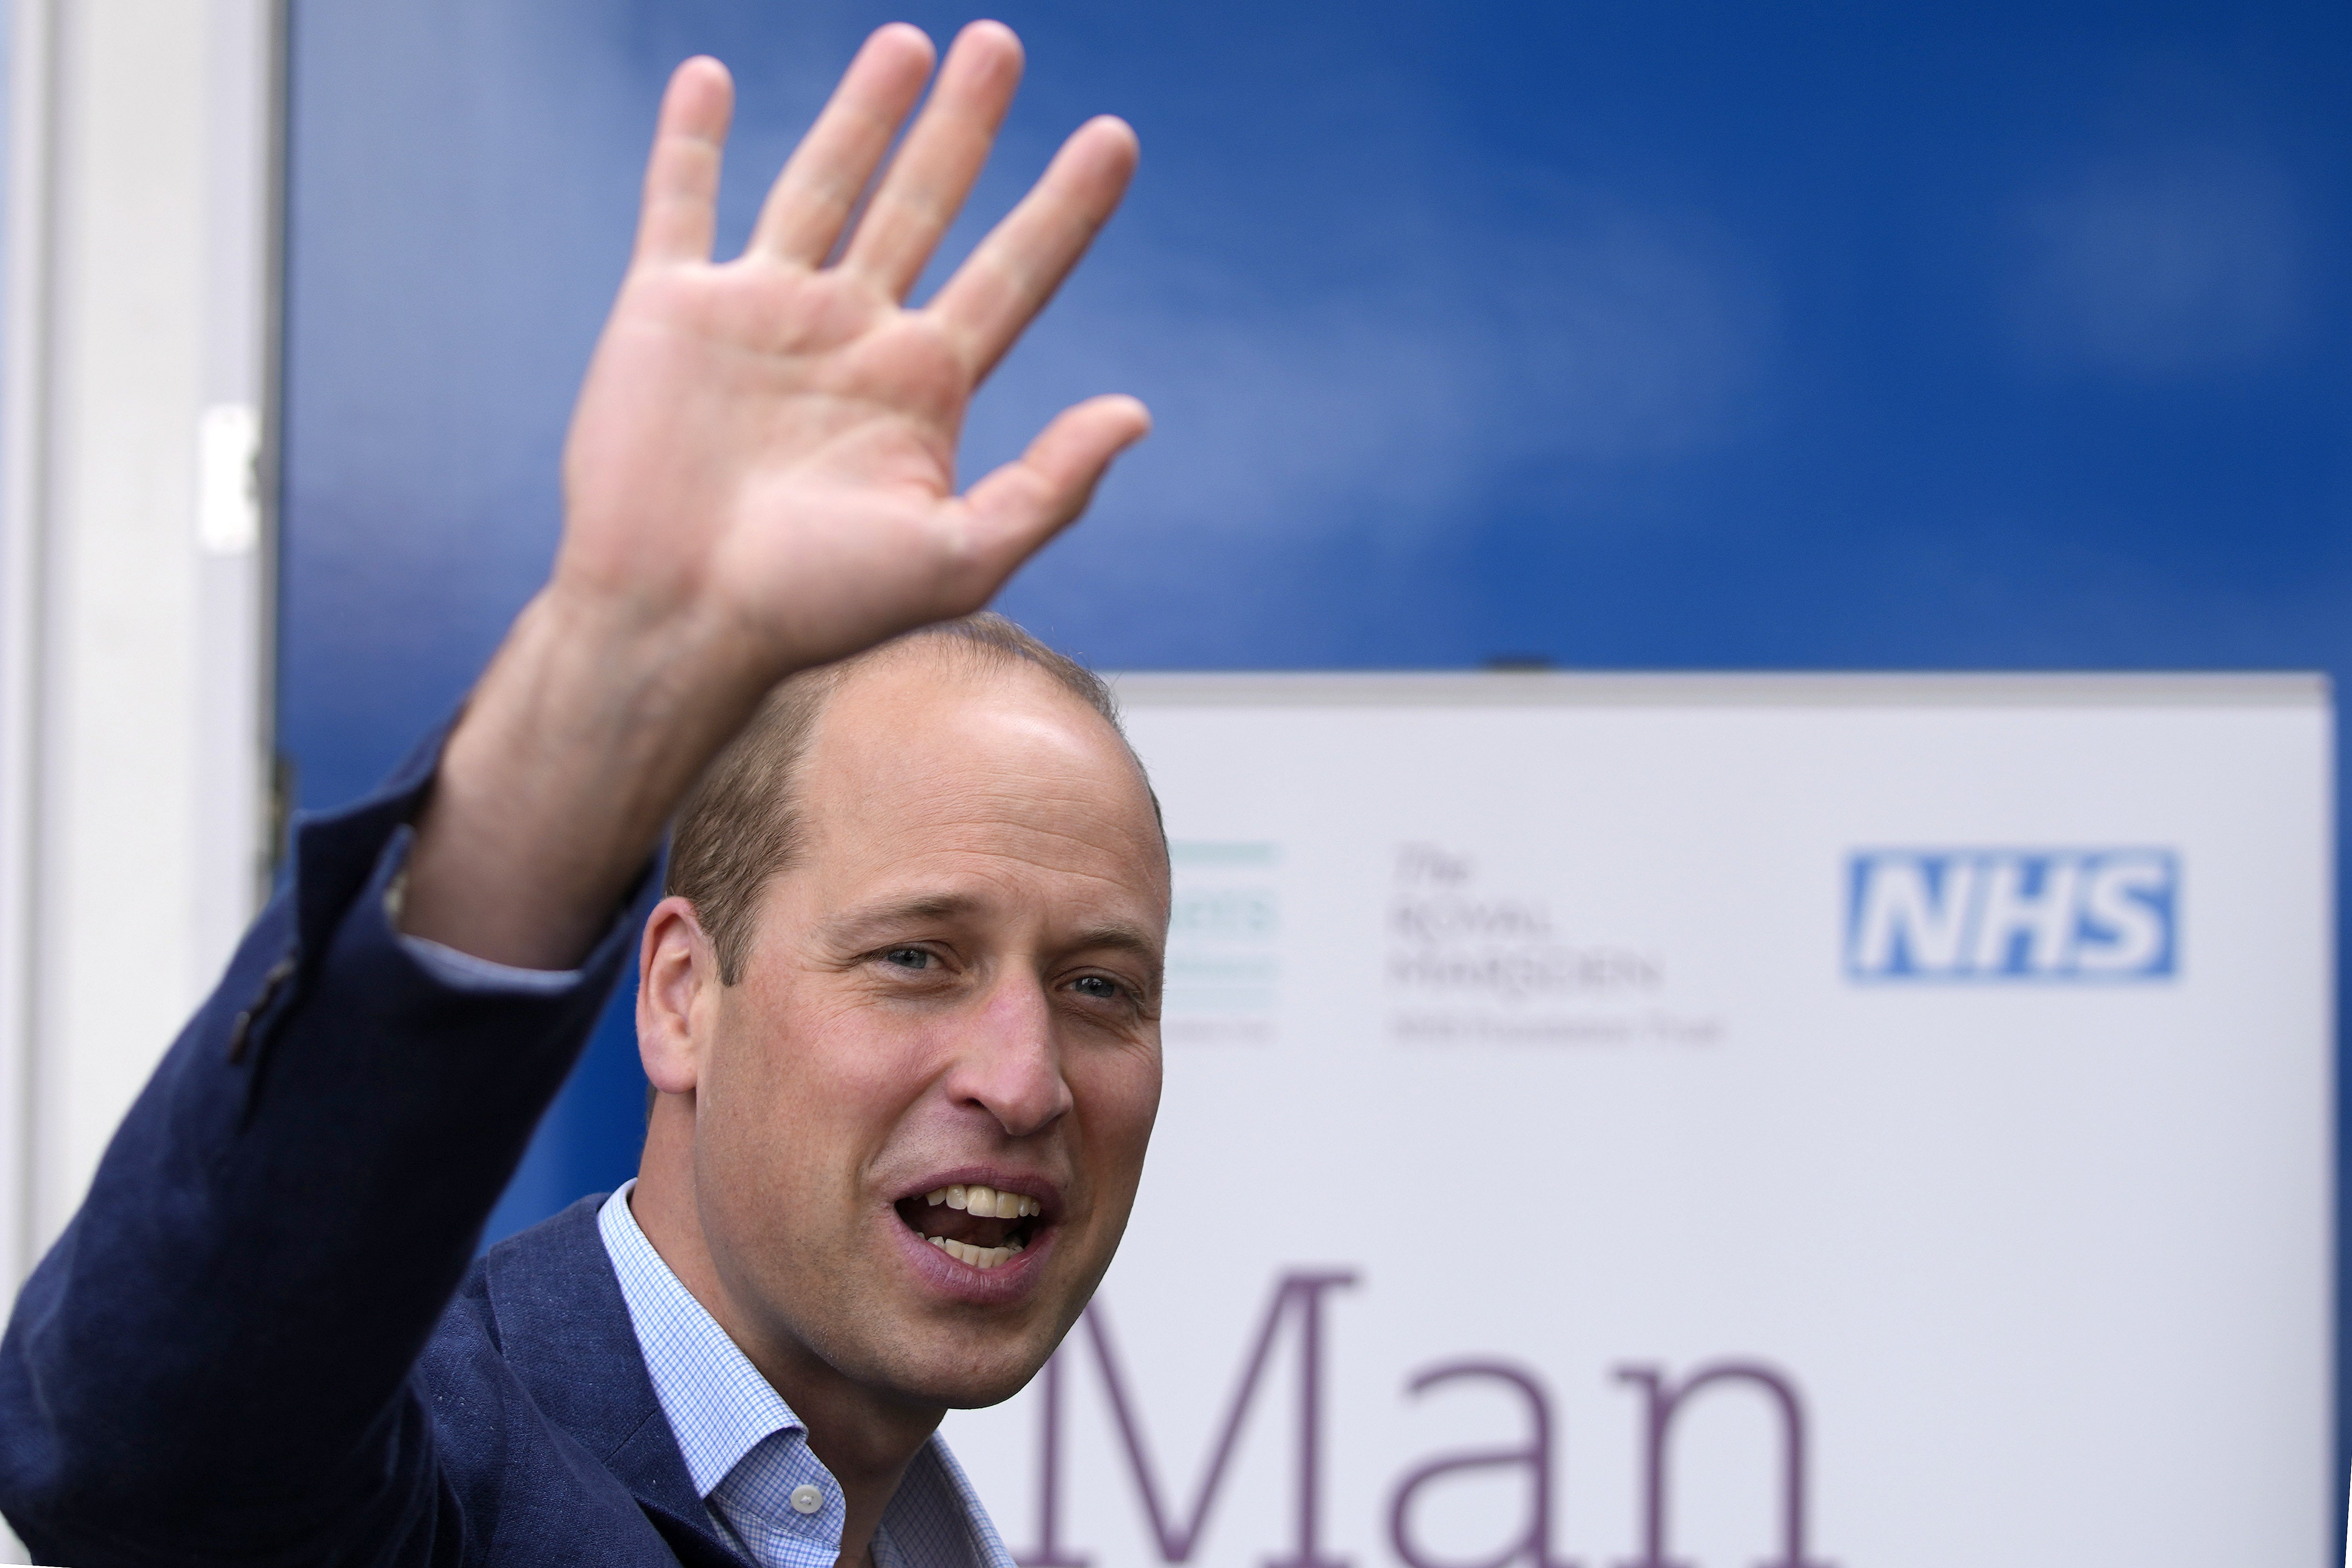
(721, 1408)
(719, 1405)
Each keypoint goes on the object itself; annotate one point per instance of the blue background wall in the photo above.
(1681, 335)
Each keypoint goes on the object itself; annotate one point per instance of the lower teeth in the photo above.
(978, 1256)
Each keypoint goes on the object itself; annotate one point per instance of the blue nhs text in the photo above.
(2012, 914)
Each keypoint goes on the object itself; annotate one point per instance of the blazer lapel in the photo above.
(564, 1329)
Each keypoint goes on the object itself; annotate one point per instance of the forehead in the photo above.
(929, 763)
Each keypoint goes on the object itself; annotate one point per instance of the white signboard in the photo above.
(1623, 1123)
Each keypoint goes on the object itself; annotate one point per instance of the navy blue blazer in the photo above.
(262, 1339)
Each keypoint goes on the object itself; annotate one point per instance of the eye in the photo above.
(1102, 987)
(909, 957)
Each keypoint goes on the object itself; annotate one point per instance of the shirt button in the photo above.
(807, 1499)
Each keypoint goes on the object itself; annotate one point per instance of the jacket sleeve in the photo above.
(213, 1362)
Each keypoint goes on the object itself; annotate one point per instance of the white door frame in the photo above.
(137, 354)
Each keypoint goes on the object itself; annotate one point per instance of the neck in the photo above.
(865, 1439)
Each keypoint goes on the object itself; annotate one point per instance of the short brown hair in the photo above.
(741, 823)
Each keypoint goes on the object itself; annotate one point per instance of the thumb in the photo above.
(1018, 508)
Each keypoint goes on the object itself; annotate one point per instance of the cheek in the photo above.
(1118, 1099)
(801, 1095)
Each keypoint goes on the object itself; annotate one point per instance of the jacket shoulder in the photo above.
(545, 1420)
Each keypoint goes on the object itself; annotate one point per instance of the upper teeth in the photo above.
(985, 1202)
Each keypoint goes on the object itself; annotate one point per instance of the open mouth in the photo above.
(974, 1224)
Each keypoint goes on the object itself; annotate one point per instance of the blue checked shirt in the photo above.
(769, 1496)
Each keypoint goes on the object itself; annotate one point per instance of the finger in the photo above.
(827, 171)
(927, 183)
(681, 196)
(1018, 508)
(1007, 280)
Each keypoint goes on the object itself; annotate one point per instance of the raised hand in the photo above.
(766, 446)
(760, 476)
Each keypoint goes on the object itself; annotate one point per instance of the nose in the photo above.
(1010, 1066)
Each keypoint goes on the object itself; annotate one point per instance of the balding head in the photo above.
(744, 821)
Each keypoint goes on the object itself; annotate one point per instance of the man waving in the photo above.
(899, 1004)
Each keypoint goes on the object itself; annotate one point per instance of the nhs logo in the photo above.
(2012, 914)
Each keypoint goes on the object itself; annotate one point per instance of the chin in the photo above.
(956, 1380)
(978, 1393)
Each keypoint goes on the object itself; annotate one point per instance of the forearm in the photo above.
(578, 744)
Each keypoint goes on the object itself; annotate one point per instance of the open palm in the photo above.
(763, 457)
(760, 476)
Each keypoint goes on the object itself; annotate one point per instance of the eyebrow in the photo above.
(851, 927)
(1122, 938)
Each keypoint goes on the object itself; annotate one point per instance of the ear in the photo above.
(677, 985)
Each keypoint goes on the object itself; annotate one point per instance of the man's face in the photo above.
(955, 986)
